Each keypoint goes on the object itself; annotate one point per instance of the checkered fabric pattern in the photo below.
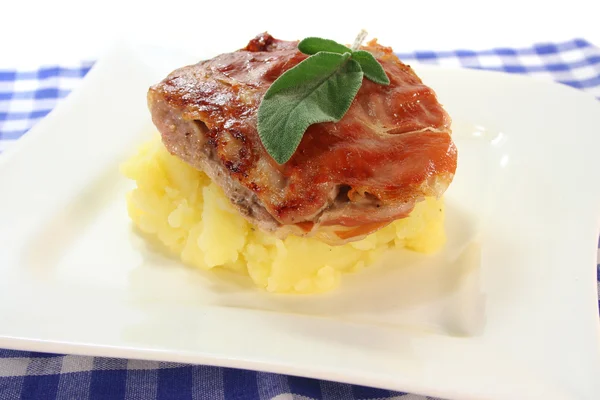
(27, 96)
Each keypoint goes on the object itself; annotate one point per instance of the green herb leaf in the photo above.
(312, 45)
(371, 67)
(319, 89)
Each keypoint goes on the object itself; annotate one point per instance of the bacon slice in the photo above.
(346, 179)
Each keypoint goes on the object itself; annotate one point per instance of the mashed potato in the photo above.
(191, 216)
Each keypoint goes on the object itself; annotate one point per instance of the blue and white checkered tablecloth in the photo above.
(26, 96)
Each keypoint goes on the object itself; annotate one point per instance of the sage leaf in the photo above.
(319, 89)
(312, 45)
(371, 67)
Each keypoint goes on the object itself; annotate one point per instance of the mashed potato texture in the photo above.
(192, 217)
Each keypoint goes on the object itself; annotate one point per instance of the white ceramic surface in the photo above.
(507, 310)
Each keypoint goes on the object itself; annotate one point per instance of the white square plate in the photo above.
(507, 310)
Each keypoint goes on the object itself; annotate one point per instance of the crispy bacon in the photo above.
(346, 179)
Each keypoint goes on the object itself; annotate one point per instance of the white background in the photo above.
(38, 32)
